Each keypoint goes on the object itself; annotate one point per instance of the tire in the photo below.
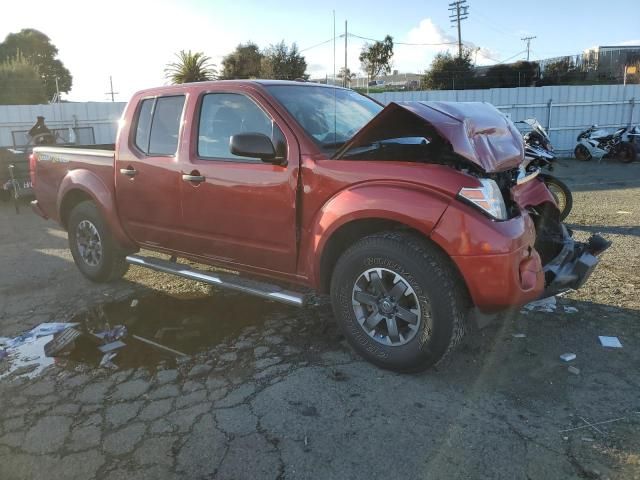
(561, 193)
(94, 251)
(581, 153)
(435, 297)
(626, 153)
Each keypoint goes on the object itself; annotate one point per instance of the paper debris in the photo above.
(519, 335)
(567, 357)
(134, 303)
(610, 342)
(570, 310)
(543, 305)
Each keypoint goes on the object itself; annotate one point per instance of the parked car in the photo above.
(408, 215)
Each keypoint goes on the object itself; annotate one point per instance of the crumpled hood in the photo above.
(476, 131)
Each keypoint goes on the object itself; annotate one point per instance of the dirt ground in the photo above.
(267, 391)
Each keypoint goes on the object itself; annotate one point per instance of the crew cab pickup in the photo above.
(408, 215)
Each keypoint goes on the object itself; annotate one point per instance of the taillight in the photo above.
(32, 169)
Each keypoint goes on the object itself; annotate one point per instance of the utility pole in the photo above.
(345, 55)
(528, 40)
(459, 11)
(111, 92)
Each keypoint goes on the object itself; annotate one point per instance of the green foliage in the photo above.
(449, 73)
(346, 76)
(243, 62)
(190, 67)
(283, 63)
(20, 83)
(376, 58)
(37, 49)
(519, 74)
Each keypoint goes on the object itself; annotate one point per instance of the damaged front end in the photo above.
(480, 142)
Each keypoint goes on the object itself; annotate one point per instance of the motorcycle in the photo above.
(539, 155)
(599, 143)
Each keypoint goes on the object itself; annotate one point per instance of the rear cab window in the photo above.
(158, 125)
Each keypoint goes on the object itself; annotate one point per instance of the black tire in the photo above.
(626, 153)
(581, 153)
(110, 263)
(560, 192)
(435, 286)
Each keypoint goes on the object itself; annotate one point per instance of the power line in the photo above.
(403, 43)
(321, 43)
(459, 11)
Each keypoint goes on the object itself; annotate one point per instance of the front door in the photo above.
(148, 179)
(240, 210)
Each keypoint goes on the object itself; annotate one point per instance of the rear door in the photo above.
(148, 178)
(243, 211)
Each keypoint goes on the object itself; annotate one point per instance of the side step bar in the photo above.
(223, 280)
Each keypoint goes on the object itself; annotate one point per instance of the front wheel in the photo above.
(398, 301)
(582, 153)
(626, 153)
(561, 194)
(93, 249)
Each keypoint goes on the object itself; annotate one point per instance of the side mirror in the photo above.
(254, 145)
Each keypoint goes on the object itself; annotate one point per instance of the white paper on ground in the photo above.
(612, 342)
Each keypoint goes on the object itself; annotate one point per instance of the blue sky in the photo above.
(134, 40)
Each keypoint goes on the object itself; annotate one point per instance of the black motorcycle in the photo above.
(539, 155)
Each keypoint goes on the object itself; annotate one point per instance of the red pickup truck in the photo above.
(409, 215)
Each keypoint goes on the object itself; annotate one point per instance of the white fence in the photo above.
(564, 110)
(101, 116)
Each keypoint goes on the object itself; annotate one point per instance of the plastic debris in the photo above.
(61, 342)
(574, 370)
(610, 342)
(116, 333)
(543, 305)
(106, 362)
(570, 310)
(42, 330)
(109, 347)
(567, 357)
(622, 212)
(134, 303)
(519, 335)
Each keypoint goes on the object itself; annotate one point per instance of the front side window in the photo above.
(223, 115)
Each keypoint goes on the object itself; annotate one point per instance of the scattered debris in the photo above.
(587, 439)
(61, 342)
(610, 342)
(134, 303)
(566, 292)
(161, 347)
(623, 212)
(592, 425)
(547, 305)
(567, 357)
(574, 370)
(110, 347)
(570, 309)
(519, 335)
(106, 362)
(42, 330)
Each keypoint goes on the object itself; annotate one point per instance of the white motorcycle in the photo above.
(599, 143)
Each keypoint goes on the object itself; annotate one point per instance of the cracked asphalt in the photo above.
(272, 392)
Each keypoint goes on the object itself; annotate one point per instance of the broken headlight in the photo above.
(487, 198)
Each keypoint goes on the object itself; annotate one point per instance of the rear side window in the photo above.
(158, 125)
(144, 124)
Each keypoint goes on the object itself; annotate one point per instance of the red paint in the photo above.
(275, 220)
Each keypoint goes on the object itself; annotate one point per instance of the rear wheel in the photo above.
(398, 301)
(561, 194)
(94, 251)
(626, 153)
(582, 153)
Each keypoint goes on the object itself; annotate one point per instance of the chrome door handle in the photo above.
(193, 178)
(129, 172)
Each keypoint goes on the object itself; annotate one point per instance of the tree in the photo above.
(190, 67)
(20, 83)
(283, 63)
(37, 49)
(519, 74)
(448, 72)
(376, 58)
(346, 76)
(243, 62)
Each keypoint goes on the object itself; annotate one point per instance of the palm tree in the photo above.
(346, 76)
(190, 67)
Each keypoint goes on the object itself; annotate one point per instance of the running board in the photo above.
(223, 280)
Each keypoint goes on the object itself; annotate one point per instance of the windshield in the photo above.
(330, 116)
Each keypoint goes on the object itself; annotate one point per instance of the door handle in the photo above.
(129, 171)
(193, 178)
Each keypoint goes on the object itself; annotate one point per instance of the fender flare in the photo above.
(92, 185)
(416, 207)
